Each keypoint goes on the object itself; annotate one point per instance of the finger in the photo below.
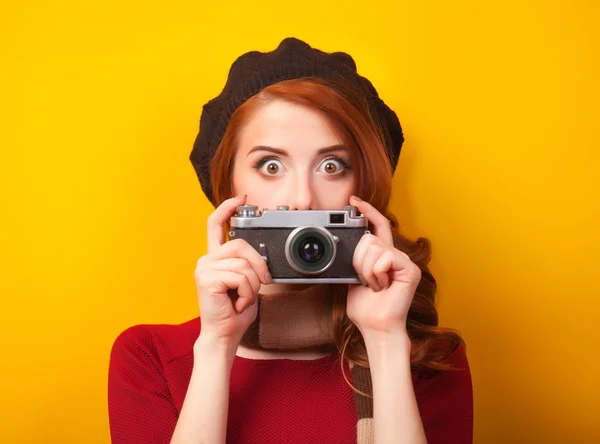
(216, 222)
(382, 267)
(239, 248)
(372, 255)
(239, 265)
(380, 223)
(398, 261)
(359, 255)
(224, 281)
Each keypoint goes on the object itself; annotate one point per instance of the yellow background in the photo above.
(103, 218)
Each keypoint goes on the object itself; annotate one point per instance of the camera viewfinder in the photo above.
(337, 218)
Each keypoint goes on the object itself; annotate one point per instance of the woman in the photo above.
(288, 363)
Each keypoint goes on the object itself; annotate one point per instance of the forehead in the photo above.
(288, 126)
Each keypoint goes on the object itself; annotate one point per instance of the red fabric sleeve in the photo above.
(140, 407)
(446, 403)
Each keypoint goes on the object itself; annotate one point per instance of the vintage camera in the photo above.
(303, 246)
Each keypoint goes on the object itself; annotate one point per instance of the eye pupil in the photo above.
(330, 167)
(273, 168)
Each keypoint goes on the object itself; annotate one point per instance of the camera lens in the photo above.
(311, 250)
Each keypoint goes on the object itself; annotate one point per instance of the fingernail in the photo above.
(239, 309)
(241, 197)
(358, 199)
(268, 278)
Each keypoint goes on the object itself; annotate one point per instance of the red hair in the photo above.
(368, 144)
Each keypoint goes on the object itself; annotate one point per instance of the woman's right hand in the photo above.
(228, 279)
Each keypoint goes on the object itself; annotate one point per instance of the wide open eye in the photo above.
(332, 166)
(270, 166)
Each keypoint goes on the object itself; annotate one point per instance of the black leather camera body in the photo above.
(302, 246)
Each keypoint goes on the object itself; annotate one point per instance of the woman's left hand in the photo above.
(389, 278)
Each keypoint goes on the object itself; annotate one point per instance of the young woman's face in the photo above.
(289, 154)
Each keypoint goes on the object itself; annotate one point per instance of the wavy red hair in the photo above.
(368, 144)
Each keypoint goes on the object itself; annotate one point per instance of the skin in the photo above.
(301, 176)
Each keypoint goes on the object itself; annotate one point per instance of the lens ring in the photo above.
(302, 233)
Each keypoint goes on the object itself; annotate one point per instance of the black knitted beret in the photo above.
(254, 71)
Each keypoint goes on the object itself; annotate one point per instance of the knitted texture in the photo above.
(254, 71)
(292, 320)
(270, 401)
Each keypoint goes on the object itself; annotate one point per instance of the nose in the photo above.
(301, 195)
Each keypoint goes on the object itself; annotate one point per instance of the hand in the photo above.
(389, 278)
(228, 279)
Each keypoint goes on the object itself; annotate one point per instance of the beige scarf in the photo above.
(300, 319)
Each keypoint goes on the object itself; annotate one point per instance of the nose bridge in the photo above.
(301, 193)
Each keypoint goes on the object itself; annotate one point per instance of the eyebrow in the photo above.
(283, 152)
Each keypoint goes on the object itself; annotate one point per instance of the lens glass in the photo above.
(311, 249)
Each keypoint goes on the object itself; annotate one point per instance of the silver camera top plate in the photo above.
(248, 216)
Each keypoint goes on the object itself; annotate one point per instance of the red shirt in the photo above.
(271, 401)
